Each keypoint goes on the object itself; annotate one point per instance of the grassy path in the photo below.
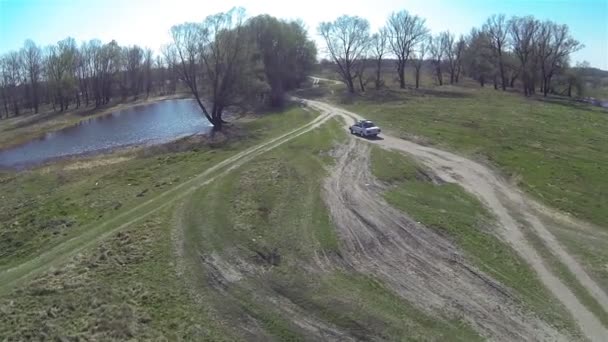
(14, 275)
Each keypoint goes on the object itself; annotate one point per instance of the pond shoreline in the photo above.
(144, 125)
(59, 120)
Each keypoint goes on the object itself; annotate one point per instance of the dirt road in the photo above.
(504, 200)
(417, 263)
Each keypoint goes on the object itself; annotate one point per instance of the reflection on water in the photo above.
(148, 124)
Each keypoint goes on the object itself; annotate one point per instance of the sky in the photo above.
(147, 22)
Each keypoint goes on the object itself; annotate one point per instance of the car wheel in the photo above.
(351, 131)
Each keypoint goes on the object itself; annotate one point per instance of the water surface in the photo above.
(146, 124)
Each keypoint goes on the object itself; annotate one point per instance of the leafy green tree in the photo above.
(347, 40)
(286, 52)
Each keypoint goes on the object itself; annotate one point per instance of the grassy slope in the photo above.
(25, 127)
(448, 208)
(558, 268)
(274, 204)
(43, 207)
(558, 151)
(126, 286)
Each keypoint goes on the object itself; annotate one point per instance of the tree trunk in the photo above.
(5, 102)
(216, 116)
(502, 71)
(417, 77)
(361, 85)
(350, 85)
(276, 96)
(401, 72)
(438, 74)
(378, 69)
(36, 100)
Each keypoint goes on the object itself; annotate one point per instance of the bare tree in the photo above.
(418, 58)
(478, 57)
(160, 69)
(31, 56)
(11, 74)
(215, 50)
(170, 61)
(449, 48)
(360, 68)
(4, 86)
(553, 47)
(83, 71)
(60, 67)
(379, 49)
(347, 40)
(436, 49)
(496, 28)
(147, 71)
(523, 31)
(405, 31)
(459, 53)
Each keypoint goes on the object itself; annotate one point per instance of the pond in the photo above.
(154, 123)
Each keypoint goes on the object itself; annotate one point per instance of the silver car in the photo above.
(365, 128)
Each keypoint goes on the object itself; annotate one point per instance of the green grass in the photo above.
(124, 285)
(273, 204)
(40, 205)
(587, 246)
(124, 288)
(557, 150)
(44, 207)
(366, 306)
(449, 209)
(278, 204)
(559, 269)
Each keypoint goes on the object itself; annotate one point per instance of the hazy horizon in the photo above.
(146, 23)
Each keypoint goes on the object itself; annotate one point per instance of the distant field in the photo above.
(42, 207)
(273, 207)
(135, 284)
(555, 149)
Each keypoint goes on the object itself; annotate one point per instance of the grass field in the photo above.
(126, 286)
(45, 206)
(449, 209)
(255, 239)
(272, 207)
(267, 215)
(555, 149)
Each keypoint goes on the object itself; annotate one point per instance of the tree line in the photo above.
(228, 60)
(521, 51)
(224, 60)
(66, 74)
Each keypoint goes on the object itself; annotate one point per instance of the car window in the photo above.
(368, 124)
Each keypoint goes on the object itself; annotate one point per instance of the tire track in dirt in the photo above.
(418, 264)
(501, 197)
(17, 274)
